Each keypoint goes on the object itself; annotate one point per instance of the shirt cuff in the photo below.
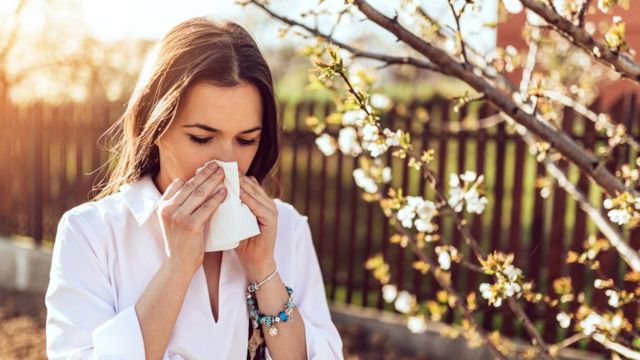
(318, 346)
(120, 337)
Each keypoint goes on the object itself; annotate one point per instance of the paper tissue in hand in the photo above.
(233, 221)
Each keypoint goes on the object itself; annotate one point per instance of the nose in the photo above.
(225, 152)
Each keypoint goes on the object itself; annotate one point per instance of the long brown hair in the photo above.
(198, 49)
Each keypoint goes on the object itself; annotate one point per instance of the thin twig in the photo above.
(557, 139)
(623, 63)
(456, 17)
(387, 59)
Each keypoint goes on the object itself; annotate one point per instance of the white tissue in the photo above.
(233, 221)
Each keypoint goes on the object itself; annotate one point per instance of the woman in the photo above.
(129, 275)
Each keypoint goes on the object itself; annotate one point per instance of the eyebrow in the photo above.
(209, 128)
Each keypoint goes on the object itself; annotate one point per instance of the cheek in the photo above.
(180, 159)
(244, 161)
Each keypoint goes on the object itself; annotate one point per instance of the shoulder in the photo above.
(97, 210)
(288, 214)
(94, 217)
(293, 226)
(88, 229)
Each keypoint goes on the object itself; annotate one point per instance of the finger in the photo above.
(209, 206)
(256, 191)
(202, 193)
(202, 174)
(258, 208)
(172, 189)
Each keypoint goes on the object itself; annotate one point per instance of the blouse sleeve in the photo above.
(82, 322)
(322, 337)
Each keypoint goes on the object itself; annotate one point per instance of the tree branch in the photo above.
(469, 240)
(626, 252)
(559, 140)
(621, 62)
(387, 59)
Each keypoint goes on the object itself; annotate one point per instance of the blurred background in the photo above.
(67, 68)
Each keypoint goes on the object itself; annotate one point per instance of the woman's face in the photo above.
(212, 122)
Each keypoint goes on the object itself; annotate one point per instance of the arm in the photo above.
(156, 330)
(320, 337)
(81, 312)
(81, 317)
(290, 341)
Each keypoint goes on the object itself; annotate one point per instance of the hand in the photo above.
(256, 253)
(184, 209)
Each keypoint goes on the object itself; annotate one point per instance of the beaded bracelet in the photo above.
(253, 287)
(270, 321)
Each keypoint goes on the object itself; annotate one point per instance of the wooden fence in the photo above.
(47, 153)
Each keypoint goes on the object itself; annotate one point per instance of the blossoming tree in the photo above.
(533, 108)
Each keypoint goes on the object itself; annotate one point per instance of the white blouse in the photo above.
(107, 251)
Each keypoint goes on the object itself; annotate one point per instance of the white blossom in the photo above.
(348, 141)
(327, 144)
(563, 319)
(456, 195)
(380, 101)
(389, 292)
(512, 6)
(370, 132)
(444, 260)
(406, 215)
(512, 272)
(614, 297)
(392, 138)
(464, 192)
(590, 323)
(454, 181)
(354, 117)
(427, 210)
(616, 321)
(445, 256)
(469, 176)
(416, 324)
(424, 225)
(375, 149)
(386, 174)
(418, 212)
(475, 202)
(608, 203)
(486, 291)
(507, 285)
(364, 181)
(619, 216)
(404, 302)
(415, 201)
(511, 289)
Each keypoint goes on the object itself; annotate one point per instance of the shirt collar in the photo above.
(141, 197)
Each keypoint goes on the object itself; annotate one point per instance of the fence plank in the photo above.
(496, 227)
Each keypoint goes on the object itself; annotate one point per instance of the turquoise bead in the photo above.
(283, 316)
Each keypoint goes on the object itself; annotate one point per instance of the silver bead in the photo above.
(273, 331)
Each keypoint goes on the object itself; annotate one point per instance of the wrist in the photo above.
(179, 271)
(256, 272)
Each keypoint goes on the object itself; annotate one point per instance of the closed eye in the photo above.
(206, 139)
(200, 140)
